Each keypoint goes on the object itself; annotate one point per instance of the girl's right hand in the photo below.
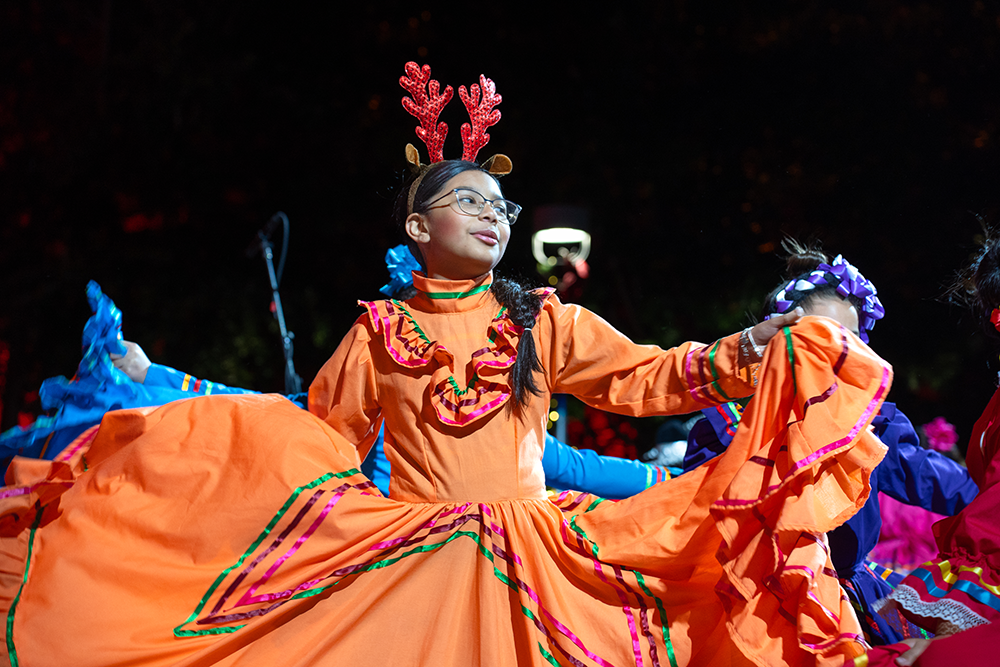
(134, 363)
(766, 330)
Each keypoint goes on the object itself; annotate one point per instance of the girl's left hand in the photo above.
(917, 647)
(767, 329)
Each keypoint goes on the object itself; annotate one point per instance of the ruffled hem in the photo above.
(754, 519)
(188, 564)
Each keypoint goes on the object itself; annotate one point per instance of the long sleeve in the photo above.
(604, 476)
(344, 393)
(917, 476)
(588, 358)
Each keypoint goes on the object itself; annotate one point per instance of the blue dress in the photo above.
(909, 473)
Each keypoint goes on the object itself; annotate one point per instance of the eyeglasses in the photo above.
(471, 202)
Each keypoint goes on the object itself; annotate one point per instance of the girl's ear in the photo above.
(416, 228)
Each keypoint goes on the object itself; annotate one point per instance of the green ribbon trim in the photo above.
(549, 658)
(456, 295)
(664, 622)
(11, 650)
(178, 632)
(490, 337)
(454, 384)
(577, 529)
(715, 372)
(791, 355)
(594, 505)
(663, 617)
(377, 565)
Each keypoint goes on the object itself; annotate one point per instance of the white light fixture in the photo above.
(561, 235)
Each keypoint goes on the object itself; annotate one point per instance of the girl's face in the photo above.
(841, 310)
(456, 245)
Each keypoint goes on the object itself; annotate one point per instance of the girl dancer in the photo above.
(238, 529)
(959, 592)
(909, 473)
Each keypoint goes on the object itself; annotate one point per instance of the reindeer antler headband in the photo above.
(426, 104)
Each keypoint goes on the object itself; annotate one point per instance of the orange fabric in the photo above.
(365, 382)
(235, 530)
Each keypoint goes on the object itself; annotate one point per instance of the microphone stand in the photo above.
(293, 383)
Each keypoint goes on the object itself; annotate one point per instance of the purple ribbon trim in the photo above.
(823, 451)
(275, 544)
(251, 598)
(576, 502)
(462, 420)
(389, 544)
(582, 550)
(693, 388)
(643, 620)
(843, 351)
(822, 397)
(491, 531)
(384, 323)
(837, 640)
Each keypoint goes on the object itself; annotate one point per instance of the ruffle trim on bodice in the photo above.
(488, 388)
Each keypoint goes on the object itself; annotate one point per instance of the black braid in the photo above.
(522, 308)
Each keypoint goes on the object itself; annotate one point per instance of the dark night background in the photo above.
(142, 144)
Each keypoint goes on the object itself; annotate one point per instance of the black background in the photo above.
(142, 144)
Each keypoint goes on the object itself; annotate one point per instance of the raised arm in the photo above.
(589, 358)
(137, 366)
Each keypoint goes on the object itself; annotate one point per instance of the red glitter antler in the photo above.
(426, 106)
(482, 114)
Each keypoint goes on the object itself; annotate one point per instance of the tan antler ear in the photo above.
(413, 156)
(498, 165)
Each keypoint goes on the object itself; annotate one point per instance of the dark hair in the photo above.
(978, 286)
(801, 261)
(433, 180)
(521, 303)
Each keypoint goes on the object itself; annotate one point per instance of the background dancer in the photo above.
(909, 473)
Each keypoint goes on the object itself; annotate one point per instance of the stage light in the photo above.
(561, 235)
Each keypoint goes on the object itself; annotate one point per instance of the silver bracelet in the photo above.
(759, 349)
(749, 351)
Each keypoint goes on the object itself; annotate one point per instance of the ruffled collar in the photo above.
(451, 296)
(489, 387)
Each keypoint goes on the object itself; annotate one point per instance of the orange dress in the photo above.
(237, 530)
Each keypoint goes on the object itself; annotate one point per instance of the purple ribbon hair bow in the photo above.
(848, 281)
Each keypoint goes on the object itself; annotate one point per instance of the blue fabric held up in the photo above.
(96, 388)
